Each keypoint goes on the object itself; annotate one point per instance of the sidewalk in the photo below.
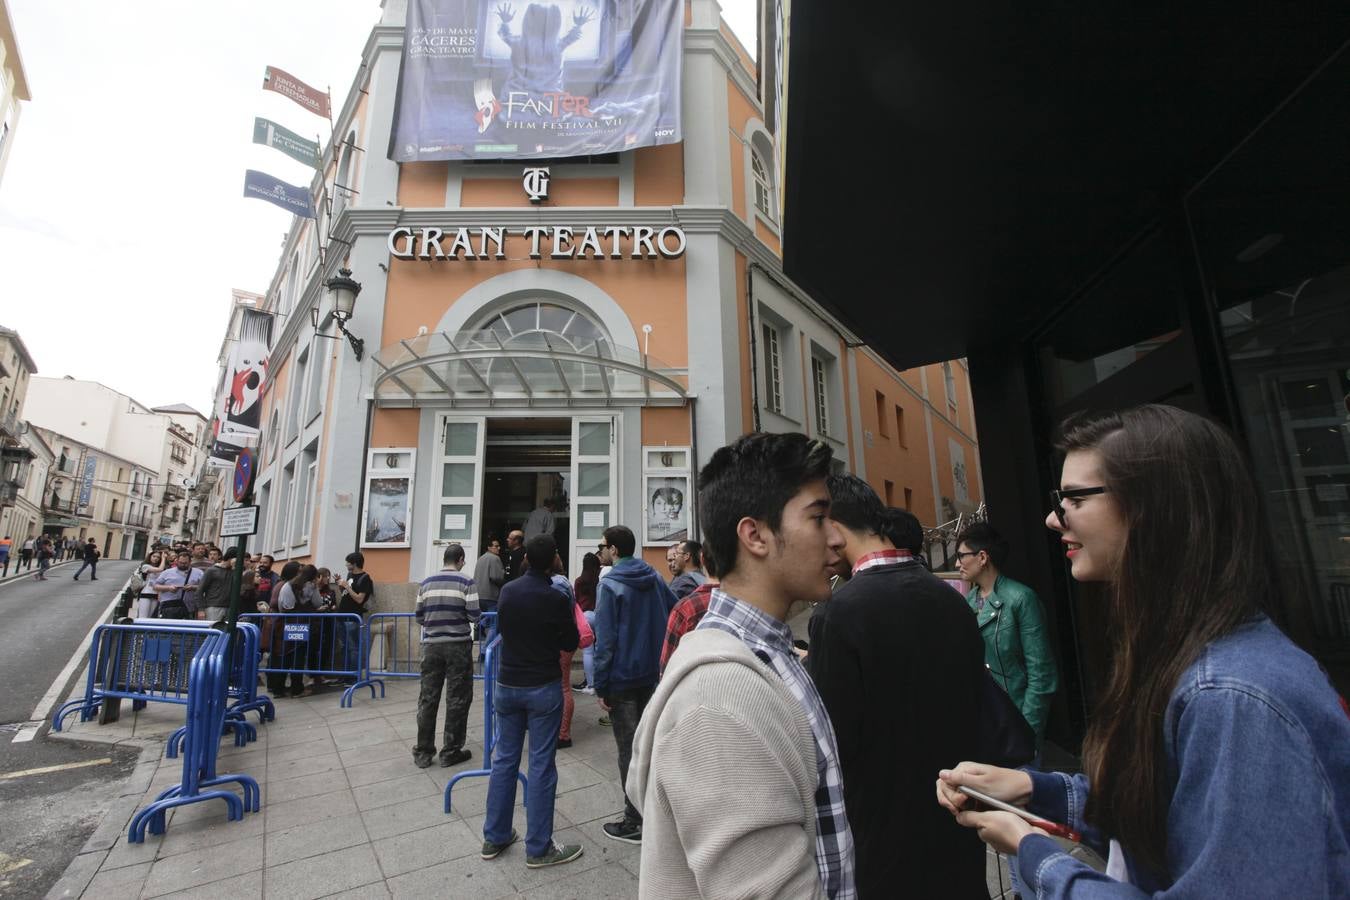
(29, 573)
(346, 813)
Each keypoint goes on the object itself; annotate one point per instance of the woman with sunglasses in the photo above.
(1217, 762)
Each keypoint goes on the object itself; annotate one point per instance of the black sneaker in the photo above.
(625, 831)
(557, 855)
(492, 851)
(456, 757)
(422, 760)
(564, 743)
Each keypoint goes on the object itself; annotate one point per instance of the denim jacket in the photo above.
(1258, 775)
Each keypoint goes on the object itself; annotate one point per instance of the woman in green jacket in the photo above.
(1012, 623)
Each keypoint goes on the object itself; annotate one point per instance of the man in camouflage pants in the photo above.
(446, 603)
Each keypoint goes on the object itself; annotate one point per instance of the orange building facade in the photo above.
(591, 347)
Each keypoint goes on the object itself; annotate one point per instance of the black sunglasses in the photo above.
(1057, 499)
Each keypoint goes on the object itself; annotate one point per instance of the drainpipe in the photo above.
(361, 485)
(693, 468)
(754, 353)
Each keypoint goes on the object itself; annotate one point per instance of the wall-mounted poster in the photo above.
(484, 79)
(388, 501)
(667, 513)
(238, 417)
(387, 511)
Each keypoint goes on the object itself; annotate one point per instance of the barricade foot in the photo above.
(176, 741)
(153, 815)
(252, 793)
(350, 692)
(85, 709)
(450, 785)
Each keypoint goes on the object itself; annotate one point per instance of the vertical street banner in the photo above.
(290, 197)
(87, 479)
(238, 418)
(287, 85)
(514, 80)
(270, 134)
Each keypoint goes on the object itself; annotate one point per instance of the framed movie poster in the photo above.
(388, 500)
(667, 495)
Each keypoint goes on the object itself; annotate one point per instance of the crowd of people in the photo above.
(755, 764)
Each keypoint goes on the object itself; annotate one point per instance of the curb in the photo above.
(29, 573)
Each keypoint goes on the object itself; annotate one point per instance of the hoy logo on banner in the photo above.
(535, 182)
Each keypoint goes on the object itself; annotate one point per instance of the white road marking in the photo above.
(26, 733)
(10, 863)
(49, 699)
(61, 768)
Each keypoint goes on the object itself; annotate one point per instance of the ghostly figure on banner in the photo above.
(238, 417)
(537, 52)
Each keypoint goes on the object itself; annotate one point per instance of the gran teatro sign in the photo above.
(553, 242)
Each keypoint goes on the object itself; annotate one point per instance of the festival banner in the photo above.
(287, 85)
(270, 134)
(87, 479)
(290, 197)
(483, 79)
(238, 418)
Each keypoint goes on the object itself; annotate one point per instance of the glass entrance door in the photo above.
(594, 481)
(457, 489)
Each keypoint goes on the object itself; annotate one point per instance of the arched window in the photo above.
(763, 185)
(544, 326)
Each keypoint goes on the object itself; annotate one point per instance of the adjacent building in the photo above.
(17, 448)
(1113, 206)
(13, 84)
(123, 471)
(593, 348)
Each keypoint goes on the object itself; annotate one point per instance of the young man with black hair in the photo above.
(632, 604)
(536, 625)
(447, 603)
(735, 767)
(898, 661)
(1011, 622)
(91, 556)
(355, 593)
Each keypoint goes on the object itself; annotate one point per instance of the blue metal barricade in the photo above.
(243, 691)
(207, 696)
(490, 669)
(315, 644)
(137, 662)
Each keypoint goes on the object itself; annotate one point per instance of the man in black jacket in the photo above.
(91, 556)
(897, 659)
(536, 625)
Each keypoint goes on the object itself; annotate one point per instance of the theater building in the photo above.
(591, 337)
(1107, 207)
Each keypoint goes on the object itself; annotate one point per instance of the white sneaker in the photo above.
(586, 690)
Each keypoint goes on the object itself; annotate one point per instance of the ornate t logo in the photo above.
(535, 182)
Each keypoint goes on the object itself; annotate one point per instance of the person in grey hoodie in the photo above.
(632, 604)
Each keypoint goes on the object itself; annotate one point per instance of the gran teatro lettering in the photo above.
(551, 242)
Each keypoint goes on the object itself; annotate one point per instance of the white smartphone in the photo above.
(1054, 828)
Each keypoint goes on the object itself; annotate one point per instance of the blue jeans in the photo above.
(91, 565)
(537, 710)
(351, 647)
(588, 654)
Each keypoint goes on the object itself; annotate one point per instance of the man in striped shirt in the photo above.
(446, 603)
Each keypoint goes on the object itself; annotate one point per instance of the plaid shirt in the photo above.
(771, 641)
(685, 617)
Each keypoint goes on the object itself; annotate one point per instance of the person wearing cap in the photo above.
(213, 593)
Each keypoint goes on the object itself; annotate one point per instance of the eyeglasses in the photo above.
(1057, 499)
(960, 555)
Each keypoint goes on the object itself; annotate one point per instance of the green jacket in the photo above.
(1017, 647)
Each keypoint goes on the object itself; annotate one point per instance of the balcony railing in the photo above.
(142, 521)
(173, 492)
(9, 424)
(57, 505)
(66, 465)
(115, 516)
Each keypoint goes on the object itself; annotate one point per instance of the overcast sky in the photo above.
(123, 225)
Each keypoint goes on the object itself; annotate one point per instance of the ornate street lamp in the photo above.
(343, 290)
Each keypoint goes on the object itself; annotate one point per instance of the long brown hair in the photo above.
(1195, 566)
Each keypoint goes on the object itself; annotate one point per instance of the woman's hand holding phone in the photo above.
(1001, 830)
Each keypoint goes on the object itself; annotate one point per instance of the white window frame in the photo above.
(771, 337)
(407, 472)
(820, 395)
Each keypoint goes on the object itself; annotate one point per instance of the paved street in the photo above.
(49, 814)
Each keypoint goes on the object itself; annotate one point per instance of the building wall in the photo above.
(701, 315)
(13, 85)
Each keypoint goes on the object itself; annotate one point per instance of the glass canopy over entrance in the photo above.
(534, 354)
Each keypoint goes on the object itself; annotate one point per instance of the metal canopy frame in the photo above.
(476, 369)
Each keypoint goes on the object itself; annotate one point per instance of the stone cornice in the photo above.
(707, 40)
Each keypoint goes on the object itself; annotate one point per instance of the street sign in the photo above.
(239, 521)
(243, 475)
